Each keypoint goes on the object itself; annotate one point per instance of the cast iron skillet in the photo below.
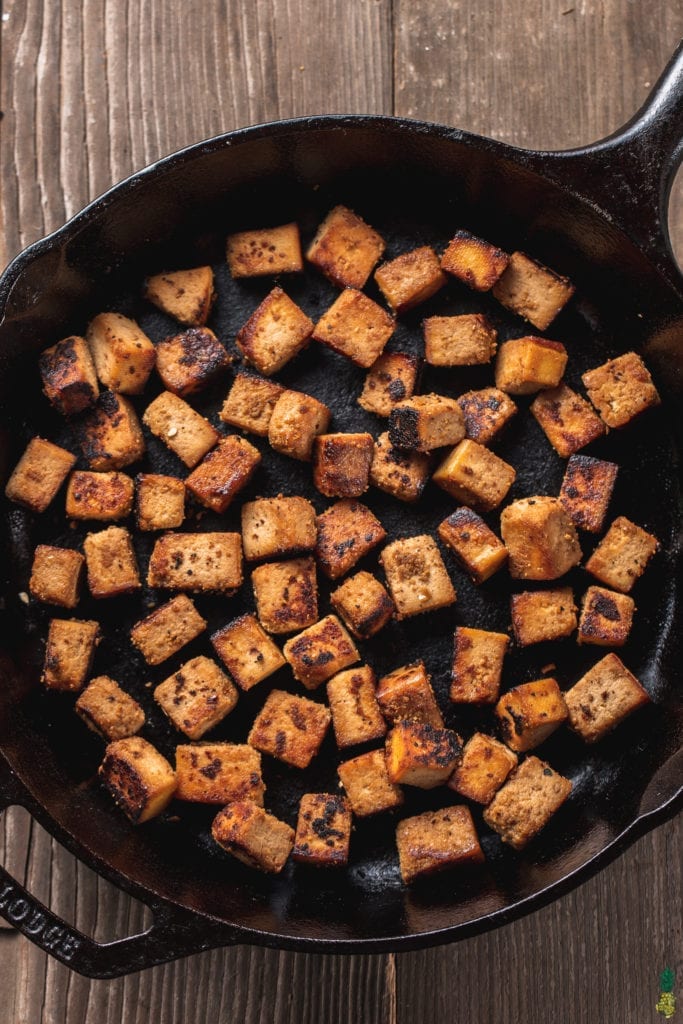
(598, 214)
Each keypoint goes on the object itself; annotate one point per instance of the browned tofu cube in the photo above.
(367, 785)
(323, 830)
(476, 263)
(196, 697)
(111, 435)
(138, 777)
(320, 651)
(223, 473)
(167, 629)
(467, 340)
(566, 419)
(391, 379)
(159, 502)
(122, 353)
(108, 710)
(111, 563)
(265, 251)
(56, 575)
(68, 374)
(532, 290)
(525, 365)
(247, 651)
(69, 653)
(436, 841)
(186, 295)
(416, 576)
(541, 615)
(290, 728)
(406, 695)
(526, 802)
(426, 422)
(356, 717)
(586, 491)
(400, 473)
(529, 713)
(486, 412)
(341, 464)
(105, 496)
(486, 764)
(250, 402)
(39, 474)
(601, 700)
(347, 531)
(411, 278)
(286, 595)
(253, 836)
(621, 389)
(478, 657)
(363, 604)
(355, 327)
(420, 755)
(345, 248)
(606, 617)
(218, 773)
(296, 421)
(622, 555)
(277, 527)
(475, 476)
(476, 547)
(274, 333)
(190, 361)
(184, 431)
(540, 538)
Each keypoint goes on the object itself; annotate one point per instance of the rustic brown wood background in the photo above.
(94, 89)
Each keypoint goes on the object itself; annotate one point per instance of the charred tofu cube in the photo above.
(622, 555)
(160, 502)
(416, 576)
(367, 785)
(286, 595)
(391, 379)
(420, 755)
(406, 695)
(56, 575)
(426, 422)
(223, 473)
(527, 802)
(68, 374)
(290, 728)
(411, 278)
(265, 251)
(525, 365)
(108, 710)
(341, 464)
(323, 831)
(345, 248)
(253, 836)
(566, 419)
(586, 491)
(540, 538)
(486, 412)
(399, 473)
(532, 290)
(621, 389)
(296, 421)
(436, 841)
(69, 653)
(476, 547)
(196, 697)
(184, 431)
(347, 531)
(478, 657)
(486, 764)
(475, 476)
(247, 651)
(111, 435)
(541, 615)
(105, 496)
(277, 527)
(167, 629)
(601, 700)
(138, 777)
(467, 340)
(39, 474)
(111, 562)
(356, 717)
(250, 402)
(274, 333)
(319, 652)
(186, 295)
(122, 353)
(476, 263)
(363, 604)
(606, 617)
(529, 713)
(218, 773)
(355, 327)
(190, 361)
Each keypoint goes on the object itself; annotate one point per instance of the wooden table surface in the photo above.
(94, 89)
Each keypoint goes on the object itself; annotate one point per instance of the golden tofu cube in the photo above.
(138, 777)
(196, 697)
(475, 546)
(527, 802)
(108, 710)
(476, 263)
(542, 615)
(274, 333)
(411, 278)
(68, 374)
(475, 476)
(265, 251)
(532, 290)
(111, 435)
(247, 651)
(184, 431)
(345, 248)
(253, 836)
(105, 496)
(436, 841)
(39, 474)
(586, 491)
(250, 402)
(323, 830)
(296, 421)
(278, 527)
(540, 538)
(111, 562)
(606, 617)
(159, 502)
(621, 389)
(347, 532)
(223, 473)
(622, 555)
(341, 464)
(320, 651)
(529, 713)
(356, 717)
(218, 773)
(286, 595)
(355, 327)
(399, 473)
(566, 419)
(406, 695)
(426, 422)
(467, 340)
(486, 764)
(122, 353)
(601, 700)
(416, 576)
(56, 575)
(485, 412)
(368, 787)
(529, 364)
(167, 629)
(190, 361)
(186, 295)
(290, 728)
(420, 755)
(69, 653)
(363, 604)
(391, 379)
(478, 656)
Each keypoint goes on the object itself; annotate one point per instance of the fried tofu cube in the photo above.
(476, 263)
(111, 563)
(411, 278)
(253, 836)
(341, 464)
(323, 830)
(566, 419)
(527, 802)
(290, 728)
(197, 562)
(319, 652)
(475, 546)
(223, 473)
(416, 576)
(39, 474)
(540, 538)
(138, 777)
(345, 248)
(391, 379)
(296, 421)
(406, 695)
(525, 365)
(347, 532)
(108, 710)
(69, 653)
(190, 361)
(184, 431)
(621, 389)
(286, 595)
(368, 787)
(167, 629)
(56, 575)
(356, 717)
(601, 700)
(265, 251)
(218, 773)
(275, 332)
(419, 755)
(532, 290)
(122, 353)
(159, 502)
(426, 422)
(105, 496)
(486, 764)
(68, 374)
(355, 327)
(363, 604)
(622, 555)
(196, 697)
(586, 491)
(606, 617)
(436, 841)
(400, 473)
(186, 295)
(541, 615)
(250, 402)
(475, 476)
(467, 340)
(485, 412)
(478, 656)
(278, 527)
(247, 651)
(529, 713)
(111, 435)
